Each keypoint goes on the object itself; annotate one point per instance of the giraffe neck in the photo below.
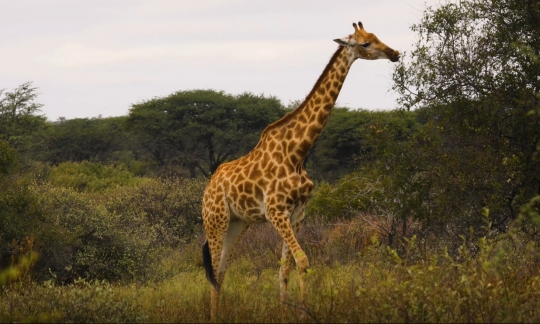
(299, 129)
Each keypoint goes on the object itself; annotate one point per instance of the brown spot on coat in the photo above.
(258, 193)
(305, 146)
(322, 118)
(294, 159)
(255, 173)
(278, 157)
(271, 146)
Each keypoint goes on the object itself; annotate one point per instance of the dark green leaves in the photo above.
(200, 129)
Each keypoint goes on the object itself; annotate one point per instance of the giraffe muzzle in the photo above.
(393, 56)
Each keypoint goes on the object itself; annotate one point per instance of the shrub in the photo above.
(355, 191)
(8, 159)
(87, 176)
(119, 234)
(20, 216)
(500, 282)
(98, 222)
(85, 240)
(172, 205)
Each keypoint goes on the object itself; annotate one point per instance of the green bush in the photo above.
(354, 192)
(173, 205)
(20, 216)
(82, 239)
(498, 283)
(8, 159)
(98, 222)
(87, 176)
(119, 234)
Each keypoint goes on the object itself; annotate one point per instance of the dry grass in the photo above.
(353, 279)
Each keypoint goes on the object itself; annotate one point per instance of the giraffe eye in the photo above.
(365, 45)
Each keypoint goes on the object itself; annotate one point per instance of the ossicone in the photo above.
(358, 27)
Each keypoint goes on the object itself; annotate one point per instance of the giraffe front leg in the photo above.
(286, 260)
(297, 223)
(284, 270)
(282, 224)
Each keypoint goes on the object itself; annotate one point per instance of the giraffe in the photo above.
(270, 182)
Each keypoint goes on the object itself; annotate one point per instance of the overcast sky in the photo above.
(99, 57)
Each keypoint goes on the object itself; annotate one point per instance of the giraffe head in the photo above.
(367, 46)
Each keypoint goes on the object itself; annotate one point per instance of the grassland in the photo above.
(353, 278)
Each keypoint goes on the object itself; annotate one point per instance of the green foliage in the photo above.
(19, 216)
(474, 77)
(98, 222)
(19, 103)
(344, 141)
(464, 52)
(200, 129)
(347, 140)
(85, 240)
(87, 176)
(528, 221)
(8, 159)
(388, 181)
(412, 174)
(82, 139)
(19, 117)
(173, 206)
(352, 193)
(19, 270)
(120, 234)
(499, 283)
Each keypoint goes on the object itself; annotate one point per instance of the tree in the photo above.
(474, 74)
(8, 159)
(340, 144)
(345, 143)
(19, 117)
(81, 139)
(200, 129)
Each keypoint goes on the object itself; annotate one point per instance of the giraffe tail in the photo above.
(207, 262)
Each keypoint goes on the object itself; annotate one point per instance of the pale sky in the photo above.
(99, 57)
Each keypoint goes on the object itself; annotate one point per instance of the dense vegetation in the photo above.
(426, 213)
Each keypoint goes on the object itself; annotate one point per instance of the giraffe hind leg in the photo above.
(207, 262)
(234, 233)
(216, 219)
(215, 242)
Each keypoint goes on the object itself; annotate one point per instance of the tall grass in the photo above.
(353, 278)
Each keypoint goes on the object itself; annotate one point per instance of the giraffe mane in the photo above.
(291, 115)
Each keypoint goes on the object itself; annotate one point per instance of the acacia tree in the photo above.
(345, 142)
(19, 115)
(200, 129)
(474, 74)
(81, 139)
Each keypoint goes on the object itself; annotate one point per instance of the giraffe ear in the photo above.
(346, 41)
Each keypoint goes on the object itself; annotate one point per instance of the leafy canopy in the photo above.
(200, 129)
